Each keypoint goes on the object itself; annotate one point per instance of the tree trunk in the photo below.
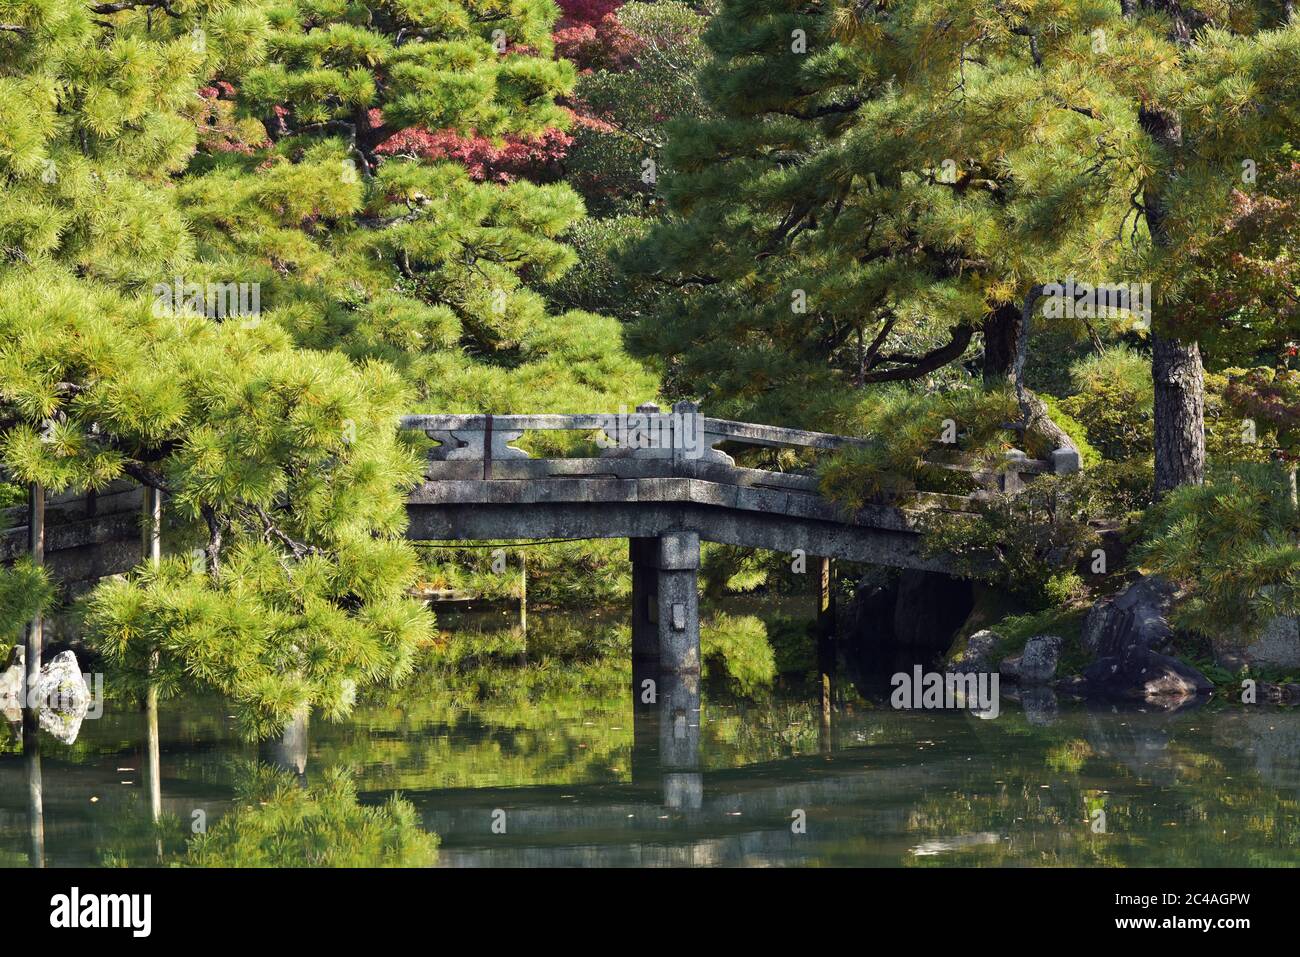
(1179, 384)
(1002, 332)
(1175, 365)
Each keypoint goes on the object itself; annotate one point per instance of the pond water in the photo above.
(551, 764)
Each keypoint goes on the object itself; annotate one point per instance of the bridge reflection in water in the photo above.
(722, 785)
(674, 811)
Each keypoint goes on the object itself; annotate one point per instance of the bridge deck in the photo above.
(651, 507)
(659, 473)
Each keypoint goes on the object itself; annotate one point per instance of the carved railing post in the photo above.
(1065, 461)
(687, 434)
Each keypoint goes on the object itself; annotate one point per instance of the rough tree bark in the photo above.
(1035, 417)
(1002, 333)
(1179, 384)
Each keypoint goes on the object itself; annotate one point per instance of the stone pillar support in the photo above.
(678, 603)
(665, 601)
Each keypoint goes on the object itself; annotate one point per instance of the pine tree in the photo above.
(150, 158)
(924, 168)
(816, 253)
(369, 237)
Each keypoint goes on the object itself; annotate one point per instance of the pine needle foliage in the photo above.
(25, 590)
(906, 450)
(1234, 545)
(221, 141)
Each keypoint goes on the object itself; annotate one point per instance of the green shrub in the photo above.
(1227, 439)
(1233, 544)
(1113, 398)
(793, 645)
(1028, 543)
(12, 494)
(276, 823)
(597, 284)
(24, 591)
(1064, 587)
(906, 429)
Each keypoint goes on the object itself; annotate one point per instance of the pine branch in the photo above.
(830, 109)
(299, 549)
(147, 476)
(917, 366)
(106, 8)
(213, 550)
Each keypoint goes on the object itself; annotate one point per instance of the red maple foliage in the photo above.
(530, 157)
(587, 33)
(602, 44)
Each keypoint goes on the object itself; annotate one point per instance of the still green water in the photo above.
(554, 757)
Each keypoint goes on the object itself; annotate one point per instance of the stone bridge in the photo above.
(667, 481)
(663, 480)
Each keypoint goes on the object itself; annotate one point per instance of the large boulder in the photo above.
(977, 656)
(1145, 676)
(1137, 617)
(64, 697)
(1276, 644)
(1036, 665)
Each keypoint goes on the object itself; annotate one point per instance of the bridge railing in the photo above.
(683, 443)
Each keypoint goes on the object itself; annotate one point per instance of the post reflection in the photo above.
(153, 765)
(35, 798)
(666, 735)
(288, 751)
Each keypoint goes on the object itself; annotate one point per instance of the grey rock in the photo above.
(11, 682)
(64, 697)
(1276, 644)
(1036, 665)
(1039, 704)
(1039, 659)
(977, 656)
(1138, 617)
(1288, 693)
(1144, 675)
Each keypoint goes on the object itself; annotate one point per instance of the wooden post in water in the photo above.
(523, 603)
(825, 636)
(36, 629)
(153, 554)
(523, 595)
